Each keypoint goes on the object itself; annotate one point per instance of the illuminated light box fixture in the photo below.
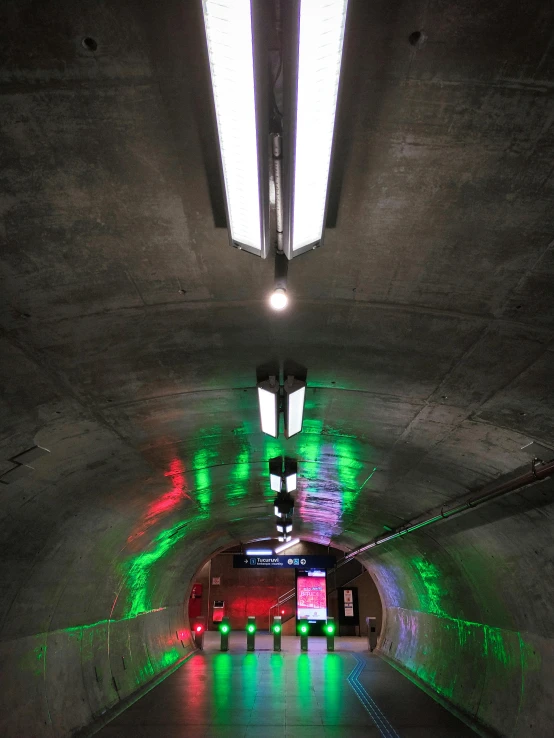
(283, 505)
(284, 527)
(288, 399)
(301, 133)
(283, 473)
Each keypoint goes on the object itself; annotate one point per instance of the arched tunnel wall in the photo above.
(130, 333)
(92, 623)
(468, 611)
(102, 538)
(467, 608)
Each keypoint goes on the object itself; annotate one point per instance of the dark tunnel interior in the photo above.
(130, 334)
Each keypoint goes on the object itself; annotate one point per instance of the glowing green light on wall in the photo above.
(348, 471)
(433, 592)
(139, 568)
(310, 441)
(201, 462)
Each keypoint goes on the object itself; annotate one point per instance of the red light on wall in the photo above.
(199, 628)
(282, 612)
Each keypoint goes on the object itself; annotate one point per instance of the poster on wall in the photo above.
(311, 595)
(348, 607)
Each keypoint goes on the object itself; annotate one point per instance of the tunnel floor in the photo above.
(348, 694)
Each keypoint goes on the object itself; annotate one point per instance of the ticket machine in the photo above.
(218, 611)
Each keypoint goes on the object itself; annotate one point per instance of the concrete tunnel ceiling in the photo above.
(130, 333)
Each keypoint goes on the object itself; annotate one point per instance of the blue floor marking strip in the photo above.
(381, 722)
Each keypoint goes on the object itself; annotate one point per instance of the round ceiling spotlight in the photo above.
(279, 299)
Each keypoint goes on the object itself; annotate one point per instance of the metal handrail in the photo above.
(286, 596)
(539, 470)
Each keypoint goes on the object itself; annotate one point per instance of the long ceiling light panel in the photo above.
(316, 45)
(234, 35)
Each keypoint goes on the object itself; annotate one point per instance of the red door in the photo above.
(195, 602)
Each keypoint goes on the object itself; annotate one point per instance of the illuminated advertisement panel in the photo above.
(311, 595)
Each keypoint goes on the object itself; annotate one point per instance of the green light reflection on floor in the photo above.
(276, 664)
(304, 680)
(333, 675)
(222, 693)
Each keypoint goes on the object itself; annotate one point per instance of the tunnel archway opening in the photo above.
(221, 588)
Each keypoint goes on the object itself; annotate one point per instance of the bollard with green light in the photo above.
(225, 629)
(251, 633)
(330, 633)
(277, 628)
(303, 629)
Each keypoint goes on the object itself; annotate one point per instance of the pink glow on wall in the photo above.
(167, 502)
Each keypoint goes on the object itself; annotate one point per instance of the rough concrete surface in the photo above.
(130, 332)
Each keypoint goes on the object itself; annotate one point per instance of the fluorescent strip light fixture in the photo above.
(295, 394)
(284, 538)
(316, 39)
(284, 526)
(268, 400)
(236, 47)
(258, 552)
(284, 546)
(290, 482)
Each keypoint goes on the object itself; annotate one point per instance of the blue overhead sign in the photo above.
(243, 561)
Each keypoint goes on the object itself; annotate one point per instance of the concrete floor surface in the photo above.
(348, 694)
